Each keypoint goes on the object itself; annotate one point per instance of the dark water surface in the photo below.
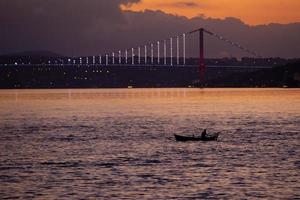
(119, 144)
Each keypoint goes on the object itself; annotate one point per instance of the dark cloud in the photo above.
(76, 27)
(190, 4)
(67, 26)
(180, 4)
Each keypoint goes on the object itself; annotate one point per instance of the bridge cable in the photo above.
(232, 43)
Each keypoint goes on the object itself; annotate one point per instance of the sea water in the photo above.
(119, 144)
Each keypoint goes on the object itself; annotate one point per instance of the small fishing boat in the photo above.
(209, 137)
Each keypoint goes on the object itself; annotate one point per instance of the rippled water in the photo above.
(119, 144)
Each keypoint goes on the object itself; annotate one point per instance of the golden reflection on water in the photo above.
(276, 99)
(225, 94)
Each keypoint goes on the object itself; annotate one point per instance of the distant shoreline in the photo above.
(113, 76)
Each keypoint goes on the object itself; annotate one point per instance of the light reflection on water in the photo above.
(117, 144)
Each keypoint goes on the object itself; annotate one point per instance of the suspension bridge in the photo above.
(166, 52)
(161, 63)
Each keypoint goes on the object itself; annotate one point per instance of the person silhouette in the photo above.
(203, 135)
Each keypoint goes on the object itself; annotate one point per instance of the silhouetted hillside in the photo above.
(282, 76)
(32, 53)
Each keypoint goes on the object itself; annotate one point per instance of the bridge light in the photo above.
(132, 56)
(165, 53)
(152, 58)
(145, 54)
(139, 55)
(171, 51)
(177, 41)
(158, 56)
(184, 50)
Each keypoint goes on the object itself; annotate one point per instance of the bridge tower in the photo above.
(201, 57)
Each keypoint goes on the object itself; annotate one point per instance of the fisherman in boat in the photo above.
(203, 135)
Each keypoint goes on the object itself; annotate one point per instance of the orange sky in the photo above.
(250, 11)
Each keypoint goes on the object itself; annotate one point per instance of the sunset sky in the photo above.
(252, 12)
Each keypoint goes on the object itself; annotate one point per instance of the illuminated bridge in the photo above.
(163, 63)
(166, 52)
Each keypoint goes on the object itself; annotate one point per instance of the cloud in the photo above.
(68, 26)
(180, 4)
(76, 27)
(269, 40)
(254, 12)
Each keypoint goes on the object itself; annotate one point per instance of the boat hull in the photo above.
(181, 138)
